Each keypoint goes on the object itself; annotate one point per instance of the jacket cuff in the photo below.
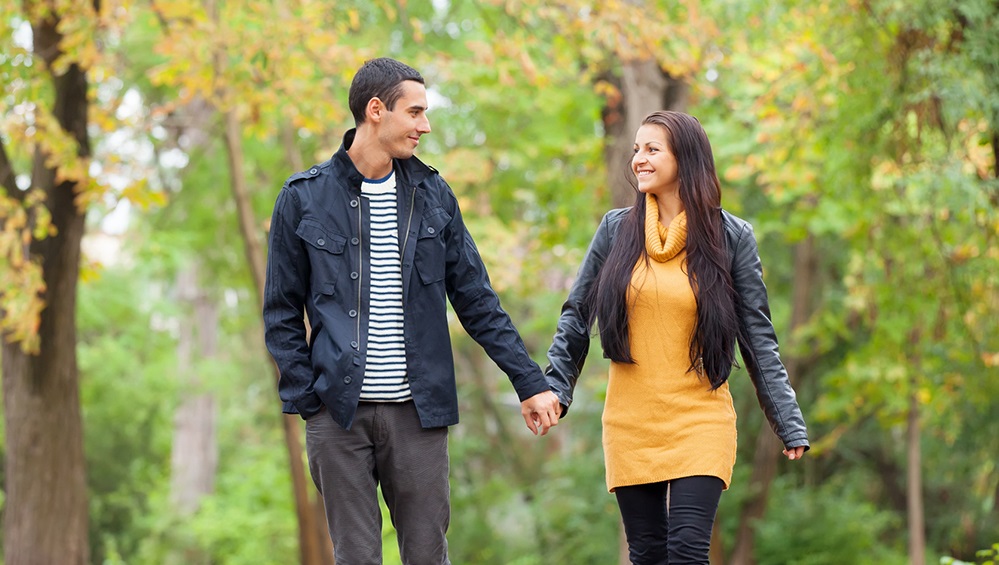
(564, 402)
(798, 443)
(527, 387)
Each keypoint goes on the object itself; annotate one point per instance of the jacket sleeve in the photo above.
(478, 308)
(758, 344)
(285, 292)
(571, 343)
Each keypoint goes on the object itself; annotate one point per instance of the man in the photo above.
(371, 244)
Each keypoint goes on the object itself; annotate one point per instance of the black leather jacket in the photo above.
(319, 261)
(759, 348)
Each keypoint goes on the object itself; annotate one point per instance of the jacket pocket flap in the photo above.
(315, 235)
(433, 223)
(430, 272)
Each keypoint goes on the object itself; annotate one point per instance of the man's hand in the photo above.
(541, 411)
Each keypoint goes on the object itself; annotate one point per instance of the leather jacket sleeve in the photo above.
(571, 343)
(758, 340)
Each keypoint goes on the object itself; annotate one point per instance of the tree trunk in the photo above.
(644, 89)
(194, 458)
(716, 554)
(767, 452)
(45, 515)
(914, 476)
(315, 546)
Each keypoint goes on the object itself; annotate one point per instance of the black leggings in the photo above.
(677, 535)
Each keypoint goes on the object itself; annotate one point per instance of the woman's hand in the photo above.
(795, 452)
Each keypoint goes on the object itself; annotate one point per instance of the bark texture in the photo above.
(45, 514)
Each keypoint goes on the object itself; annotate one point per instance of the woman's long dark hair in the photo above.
(712, 346)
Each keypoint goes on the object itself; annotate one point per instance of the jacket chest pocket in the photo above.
(325, 254)
(431, 246)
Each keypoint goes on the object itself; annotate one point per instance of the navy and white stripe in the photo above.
(385, 369)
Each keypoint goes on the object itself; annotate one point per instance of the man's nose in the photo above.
(424, 125)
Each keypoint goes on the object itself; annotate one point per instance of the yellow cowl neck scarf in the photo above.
(663, 243)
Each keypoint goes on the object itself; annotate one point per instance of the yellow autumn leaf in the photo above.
(90, 271)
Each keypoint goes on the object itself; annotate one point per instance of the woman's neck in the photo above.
(670, 207)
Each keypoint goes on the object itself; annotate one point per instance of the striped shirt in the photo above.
(385, 368)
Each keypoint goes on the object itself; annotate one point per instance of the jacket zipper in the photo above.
(360, 262)
(405, 243)
(409, 223)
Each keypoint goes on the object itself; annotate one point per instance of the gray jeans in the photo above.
(386, 445)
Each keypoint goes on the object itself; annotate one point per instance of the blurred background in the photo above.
(142, 145)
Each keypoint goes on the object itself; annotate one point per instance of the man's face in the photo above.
(400, 129)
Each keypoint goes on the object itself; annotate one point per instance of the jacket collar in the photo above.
(410, 171)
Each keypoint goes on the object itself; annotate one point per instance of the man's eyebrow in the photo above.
(418, 107)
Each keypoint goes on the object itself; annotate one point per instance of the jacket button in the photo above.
(347, 380)
(313, 171)
(353, 203)
(352, 313)
(353, 344)
(354, 241)
(430, 230)
(321, 241)
(354, 275)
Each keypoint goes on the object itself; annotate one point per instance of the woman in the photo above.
(673, 282)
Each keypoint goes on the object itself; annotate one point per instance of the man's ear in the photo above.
(374, 110)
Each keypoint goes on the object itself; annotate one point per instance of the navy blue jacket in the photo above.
(318, 263)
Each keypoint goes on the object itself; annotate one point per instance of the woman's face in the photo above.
(653, 163)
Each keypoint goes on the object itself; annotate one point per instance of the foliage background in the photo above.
(864, 132)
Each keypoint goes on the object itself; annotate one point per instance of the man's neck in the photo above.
(370, 160)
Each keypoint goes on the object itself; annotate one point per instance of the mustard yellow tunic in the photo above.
(661, 422)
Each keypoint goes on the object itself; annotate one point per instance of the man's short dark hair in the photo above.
(380, 78)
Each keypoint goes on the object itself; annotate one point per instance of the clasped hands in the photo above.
(541, 412)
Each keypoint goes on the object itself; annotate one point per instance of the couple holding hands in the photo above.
(371, 246)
